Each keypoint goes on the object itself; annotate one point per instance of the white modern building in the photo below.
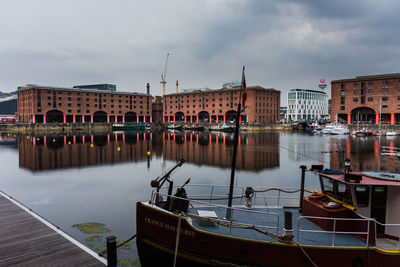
(306, 105)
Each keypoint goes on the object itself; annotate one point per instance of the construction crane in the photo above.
(163, 81)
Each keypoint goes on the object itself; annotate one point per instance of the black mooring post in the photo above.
(111, 251)
(288, 221)
(303, 173)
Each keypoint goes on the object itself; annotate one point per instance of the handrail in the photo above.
(211, 196)
(276, 228)
(333, 232)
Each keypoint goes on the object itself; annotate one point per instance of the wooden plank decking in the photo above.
(26, 240)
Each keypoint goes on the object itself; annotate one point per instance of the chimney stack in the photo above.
(148, 88)
(176, 86)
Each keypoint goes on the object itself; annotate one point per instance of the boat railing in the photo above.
(334, 230)
(268, 197)
(235, 221)
(391, 225)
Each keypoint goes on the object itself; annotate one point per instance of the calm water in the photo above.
(79, 179)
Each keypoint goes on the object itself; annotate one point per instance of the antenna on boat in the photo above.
(159, 182)
(235, 144)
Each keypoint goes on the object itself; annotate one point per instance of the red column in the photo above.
(65, 118)
(108, 138)
(73, 118)
(185, 119)
(348, 118)
(108, 118)
(123, 119)
(33, 118)
(240, 119)
(91, 118)
(44, 118)
(217, 119)
(116, 118)
(144, 118)
(197, 118)
(392, 118)
(163, 118)
(74, 139)
(376, 118)
(151, 119)
(224, 118)
(174, 119)
(210, 119)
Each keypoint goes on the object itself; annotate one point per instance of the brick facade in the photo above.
(366, 99)
(219, 106)
(40, 104)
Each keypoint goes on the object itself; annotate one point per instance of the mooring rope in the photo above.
(101, 254)
(178, 232)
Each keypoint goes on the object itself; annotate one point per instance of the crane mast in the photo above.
(163, 81)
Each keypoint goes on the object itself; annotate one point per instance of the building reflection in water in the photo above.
(55, 152)
(364, 153)
(255, 152)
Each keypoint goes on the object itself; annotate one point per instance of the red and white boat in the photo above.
(353, 221)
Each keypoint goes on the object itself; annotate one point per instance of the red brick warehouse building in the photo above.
(80, 104)
(363, 98)
(220, 105)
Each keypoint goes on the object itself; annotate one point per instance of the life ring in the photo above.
(316, 196)
(332, 205)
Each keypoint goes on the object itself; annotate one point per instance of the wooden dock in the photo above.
(26, 239)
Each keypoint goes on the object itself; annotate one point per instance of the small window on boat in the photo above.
(343, 193)
(362, 195)
(327, 186)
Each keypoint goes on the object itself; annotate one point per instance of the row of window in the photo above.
(356, 84)
(95, 105)
(87, 111)
(370, 91)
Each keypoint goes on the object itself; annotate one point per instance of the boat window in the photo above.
(343, 193)
(362, 195)
(328, 186)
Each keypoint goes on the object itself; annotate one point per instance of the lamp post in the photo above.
(347, 167)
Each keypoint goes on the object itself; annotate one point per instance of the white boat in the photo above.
(336, 129)
(328, 129)
(340, 130)
(391, 133)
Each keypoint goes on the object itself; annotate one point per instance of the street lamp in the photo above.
(347, 167)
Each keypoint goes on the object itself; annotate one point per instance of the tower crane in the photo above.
(163, 81)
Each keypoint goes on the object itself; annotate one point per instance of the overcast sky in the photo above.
(284, 44)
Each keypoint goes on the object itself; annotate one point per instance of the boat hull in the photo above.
(156, 237)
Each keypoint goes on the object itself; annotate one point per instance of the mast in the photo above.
(235, 145)
(380, 113)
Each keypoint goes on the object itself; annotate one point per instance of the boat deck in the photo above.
(261, 220)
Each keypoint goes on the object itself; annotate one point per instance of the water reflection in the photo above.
(256, 152)
(55, 152)
(364, 153)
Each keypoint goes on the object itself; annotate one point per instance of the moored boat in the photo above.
(173, 126)
(194, 127)
(128, 126)
(354, 215)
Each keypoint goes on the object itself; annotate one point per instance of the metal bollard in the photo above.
(288, 228)
(111, 251)
(303, 172)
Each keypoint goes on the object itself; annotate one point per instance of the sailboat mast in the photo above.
(235, 146)
(380, 113)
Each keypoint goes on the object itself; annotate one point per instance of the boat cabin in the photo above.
(365, 195)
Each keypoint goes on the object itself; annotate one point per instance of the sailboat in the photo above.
(351, 221)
